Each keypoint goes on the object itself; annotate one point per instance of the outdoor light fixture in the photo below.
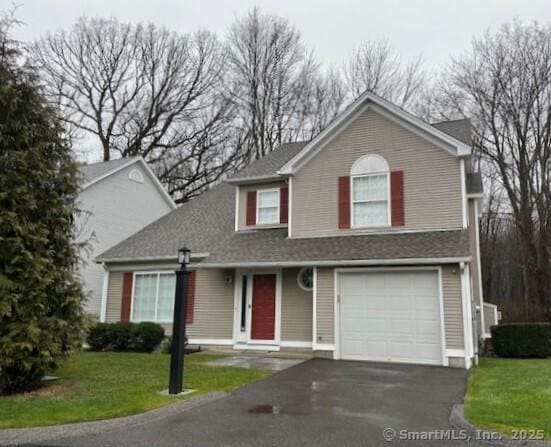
(184, 255)
(176, 380)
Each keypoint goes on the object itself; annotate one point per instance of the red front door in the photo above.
(263, 312)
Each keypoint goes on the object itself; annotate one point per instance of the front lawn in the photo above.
(510, 394)
(106, 385)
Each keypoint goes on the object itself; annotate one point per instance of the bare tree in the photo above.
(143, 90)
(326, 99)
(376, 66)
(504, 84)
(268, 80)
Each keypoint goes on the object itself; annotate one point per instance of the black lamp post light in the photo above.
(176, 381)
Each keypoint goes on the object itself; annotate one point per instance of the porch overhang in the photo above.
(338, 263)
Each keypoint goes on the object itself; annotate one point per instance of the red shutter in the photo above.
(251, 208)
(284, 205)
(126, 295)
(344, 202)
(397, 197)
(190, 302)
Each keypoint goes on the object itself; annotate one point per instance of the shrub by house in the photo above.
(522, 340)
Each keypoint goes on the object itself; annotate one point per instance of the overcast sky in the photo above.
(435, 29)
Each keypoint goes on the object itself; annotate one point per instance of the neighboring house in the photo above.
(117, 199)
(361, 244)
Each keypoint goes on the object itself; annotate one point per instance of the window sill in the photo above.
(152, 321)
(263, 227)
(372, 228)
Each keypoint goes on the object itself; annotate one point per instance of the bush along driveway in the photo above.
(512, 396)
(95, 386)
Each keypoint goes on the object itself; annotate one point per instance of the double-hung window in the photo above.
(370, 191)
(267, 207)
(153, 298)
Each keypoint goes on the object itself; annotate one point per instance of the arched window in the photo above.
(370, 191)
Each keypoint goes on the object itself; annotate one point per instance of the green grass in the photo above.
(106, 385)
(510, 394)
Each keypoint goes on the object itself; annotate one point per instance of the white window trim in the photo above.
(260, 191)
(143, 273)
(388, 197)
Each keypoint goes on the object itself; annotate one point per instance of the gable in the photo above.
(432, 179)
(137, 170)
(437, 135)
(118, 205)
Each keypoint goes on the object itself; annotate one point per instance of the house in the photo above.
(117, 199)
(361, 244)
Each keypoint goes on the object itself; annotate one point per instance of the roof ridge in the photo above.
(112, 160)
(450, 121)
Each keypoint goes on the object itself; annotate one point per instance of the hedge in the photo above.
(122, 336)
(522, 340)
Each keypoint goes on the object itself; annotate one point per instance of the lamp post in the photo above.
(175, 384)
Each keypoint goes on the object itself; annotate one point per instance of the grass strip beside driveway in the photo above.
(97, 386)
(508, 395)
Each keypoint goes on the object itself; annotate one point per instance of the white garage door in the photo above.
(390, 316)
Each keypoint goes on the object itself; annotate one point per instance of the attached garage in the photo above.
(390, 316)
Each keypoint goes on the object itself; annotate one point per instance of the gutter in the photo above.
(101, 260)
(258, 179)
(329, 263)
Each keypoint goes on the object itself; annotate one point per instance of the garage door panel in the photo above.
(426, 327)
(392, 316)
(353, 284)
(398, 301)
(401, 350)
(401, 327)
(375, 348)
(426, 350)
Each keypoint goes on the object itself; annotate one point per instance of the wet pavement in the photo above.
(257, 362)
(316, 403)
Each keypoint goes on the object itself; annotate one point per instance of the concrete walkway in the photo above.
(267, 363)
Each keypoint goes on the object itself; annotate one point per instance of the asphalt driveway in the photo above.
(317, 403)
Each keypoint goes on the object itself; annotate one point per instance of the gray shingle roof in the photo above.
(206, 225)
(459, 129)
(94, 170)
(269, 165)
(200, 224)
(266, 246)
(474, 183)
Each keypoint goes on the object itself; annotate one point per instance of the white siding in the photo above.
(113, 209)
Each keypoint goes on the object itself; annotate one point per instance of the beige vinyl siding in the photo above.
(243, 190)
(213, 307)
(213, 311)
(453, 308)
(296, 309)
(114, 297)
(325, 306)
(432, 185)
